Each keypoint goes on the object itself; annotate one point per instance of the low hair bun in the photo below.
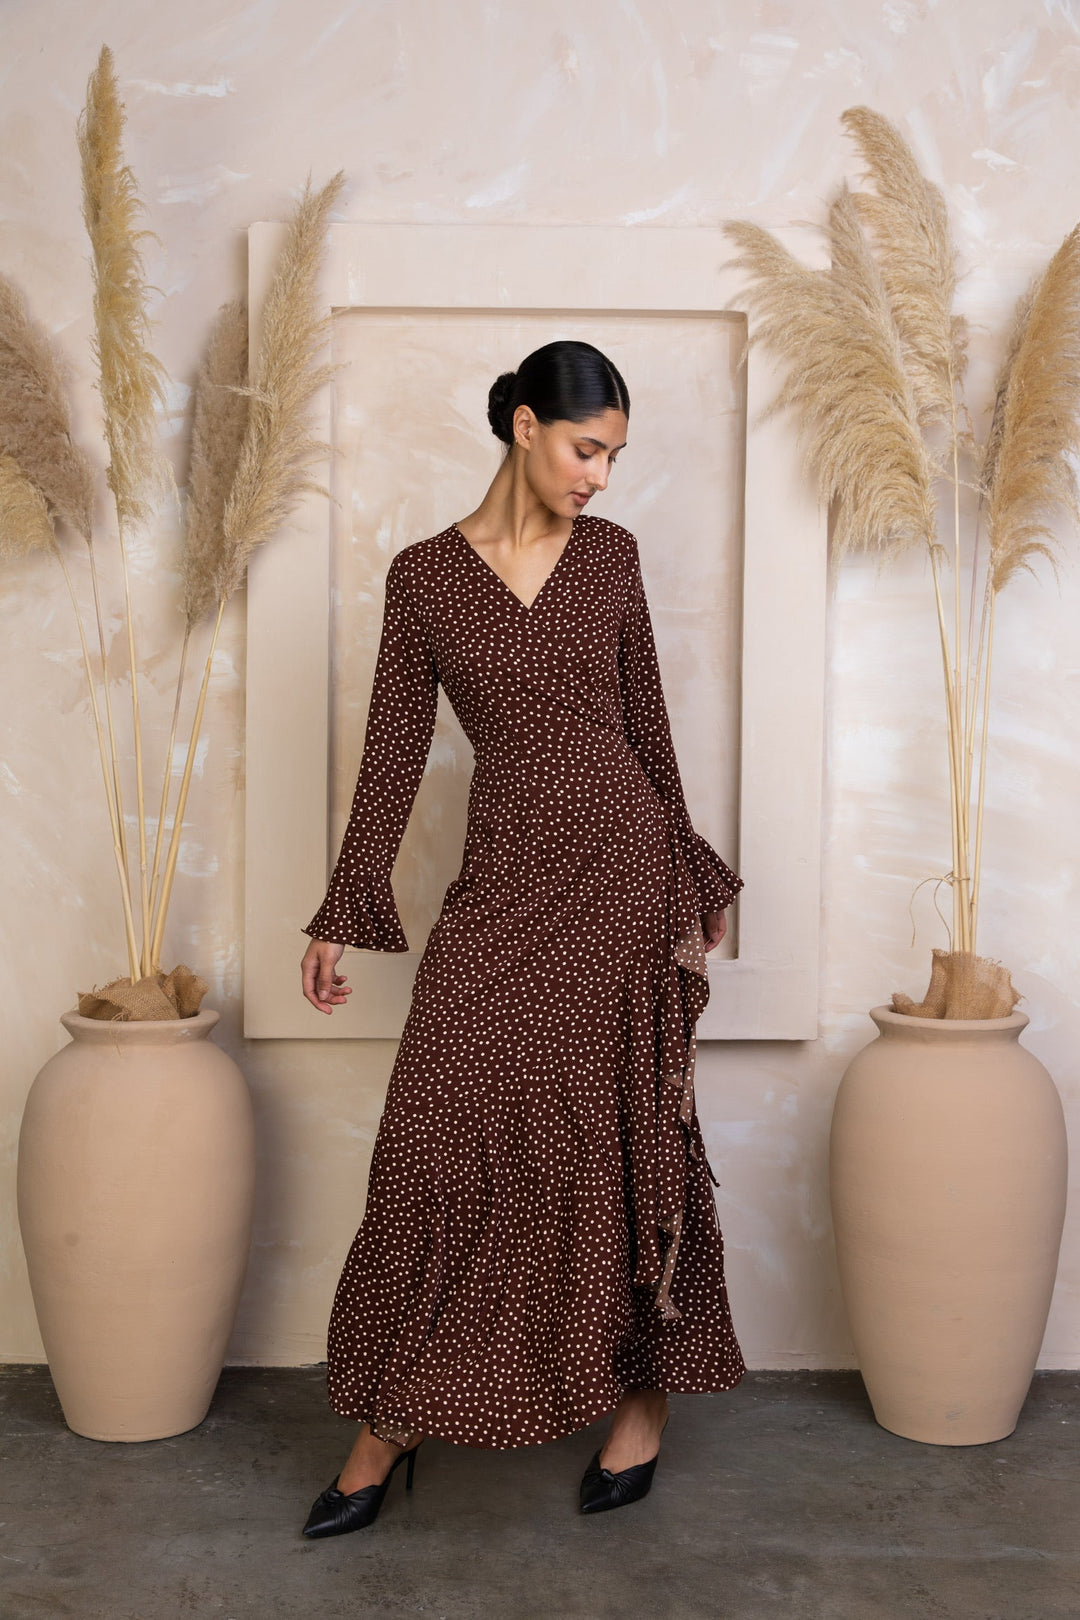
(562, 381)
(499, 409)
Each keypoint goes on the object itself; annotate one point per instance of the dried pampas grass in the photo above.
(249, 453)
(35, 430)
(273, 454)
(277, 446)
(1028, 473)
(907, 218)
(219, 422)
(856, 408)
(875, 358)
(222, 407)
(1014, 338)
(132, 380)
(1028, 476)
(24, 516)
(35, 422)
(25, 526)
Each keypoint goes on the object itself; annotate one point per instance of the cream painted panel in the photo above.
(673, 284)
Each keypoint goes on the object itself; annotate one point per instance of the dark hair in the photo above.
(563, 381)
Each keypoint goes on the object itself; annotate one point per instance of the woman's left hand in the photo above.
(714, 927)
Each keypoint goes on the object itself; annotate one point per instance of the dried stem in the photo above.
(181, 803)
(113, 752)
(982, 757)
(962, 879)
(136, 726)
(167, 773)
(950, 713)
(114, 816)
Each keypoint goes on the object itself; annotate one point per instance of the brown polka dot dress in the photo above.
(540, 1232)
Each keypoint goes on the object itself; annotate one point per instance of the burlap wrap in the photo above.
(161, 995)
(962, 985)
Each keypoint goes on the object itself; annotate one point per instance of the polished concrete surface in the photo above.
(780, 1500)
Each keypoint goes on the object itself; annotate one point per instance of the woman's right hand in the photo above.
(324, 988)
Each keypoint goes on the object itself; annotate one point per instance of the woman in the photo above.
(539, 1165)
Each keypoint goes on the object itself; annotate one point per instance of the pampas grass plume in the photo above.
(1028, 469)
(222, 407)
(131, 378)
(909, 226)
(277, 446)
(855, 406)
(24, 516)
(35, 426)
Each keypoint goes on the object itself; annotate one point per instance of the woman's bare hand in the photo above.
(714, 927)
(324, 988)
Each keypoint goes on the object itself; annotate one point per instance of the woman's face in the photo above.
(567, 462)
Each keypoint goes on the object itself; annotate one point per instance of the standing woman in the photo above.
(540, 1244)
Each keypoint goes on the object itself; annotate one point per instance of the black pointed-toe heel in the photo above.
(335, 1513)
(600, 1489)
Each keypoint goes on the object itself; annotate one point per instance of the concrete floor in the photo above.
(780, 1500)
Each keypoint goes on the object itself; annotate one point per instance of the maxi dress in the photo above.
(540, 1232)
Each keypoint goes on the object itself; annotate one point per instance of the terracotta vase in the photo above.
(136, 1180)
(948, 1163)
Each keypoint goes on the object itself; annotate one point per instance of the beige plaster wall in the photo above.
(643, 114)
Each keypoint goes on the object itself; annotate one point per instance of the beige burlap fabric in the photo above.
(161, 995)
(962, 985)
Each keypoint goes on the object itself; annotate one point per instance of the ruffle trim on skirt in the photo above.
(675, 1141)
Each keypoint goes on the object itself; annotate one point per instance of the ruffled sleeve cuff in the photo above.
(361, 912)
(716, 884)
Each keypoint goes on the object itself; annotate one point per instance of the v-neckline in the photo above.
(526, 607)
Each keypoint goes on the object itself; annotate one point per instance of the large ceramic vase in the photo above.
(136, 1181)
(948, 1167)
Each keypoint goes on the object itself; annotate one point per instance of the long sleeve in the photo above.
(648, 731)
(359, 908)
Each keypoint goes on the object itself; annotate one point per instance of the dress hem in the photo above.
(559, 1434)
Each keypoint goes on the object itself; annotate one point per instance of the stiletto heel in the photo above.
(600, 1489)
(335, 1512)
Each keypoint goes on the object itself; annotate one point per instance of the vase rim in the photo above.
(136, 1029)
(889, 1016)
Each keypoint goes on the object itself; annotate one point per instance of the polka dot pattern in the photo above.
(540, 1233)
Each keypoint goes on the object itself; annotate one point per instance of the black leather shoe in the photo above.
(334, 1512)
(600, 1489)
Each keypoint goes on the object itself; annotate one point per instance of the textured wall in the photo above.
(645, 114)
